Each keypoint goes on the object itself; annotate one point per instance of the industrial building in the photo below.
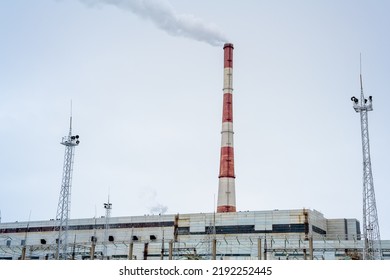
(225, 234)
(276, 234)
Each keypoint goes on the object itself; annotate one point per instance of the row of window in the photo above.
(111, 238)
(89, 227)
(237, 229)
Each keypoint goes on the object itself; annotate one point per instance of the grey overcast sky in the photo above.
(145, 79)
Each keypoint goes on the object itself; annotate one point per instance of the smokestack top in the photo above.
(228, 54)
(228, 45)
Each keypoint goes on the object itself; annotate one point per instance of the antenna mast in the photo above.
(371, 235)
(63, 208)
(108, 207)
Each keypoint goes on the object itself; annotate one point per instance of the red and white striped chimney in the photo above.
(226, 189)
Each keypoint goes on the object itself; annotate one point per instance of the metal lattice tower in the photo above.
(371, 235)
(63, 208)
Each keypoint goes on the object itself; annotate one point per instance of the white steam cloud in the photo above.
(150, 197)
(162, 14)
(158, 209)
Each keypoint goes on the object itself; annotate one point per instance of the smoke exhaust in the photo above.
(164, 16)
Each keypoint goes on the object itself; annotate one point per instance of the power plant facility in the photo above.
(225, 234)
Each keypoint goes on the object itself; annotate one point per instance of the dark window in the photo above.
(318, 230)
(279, 228)
(183, 230)
(233, 229)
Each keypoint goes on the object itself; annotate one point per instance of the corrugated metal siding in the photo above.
(317, 219)
(263, 221)
(336, 228)
(198, 223)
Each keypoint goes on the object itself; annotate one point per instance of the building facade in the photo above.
(246, 235)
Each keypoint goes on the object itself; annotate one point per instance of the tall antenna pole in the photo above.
(108, 207)
(63, 208)
(371, 234)
(24, 249)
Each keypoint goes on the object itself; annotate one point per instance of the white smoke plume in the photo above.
(158, 209)
(149, 196)
(163, 15)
